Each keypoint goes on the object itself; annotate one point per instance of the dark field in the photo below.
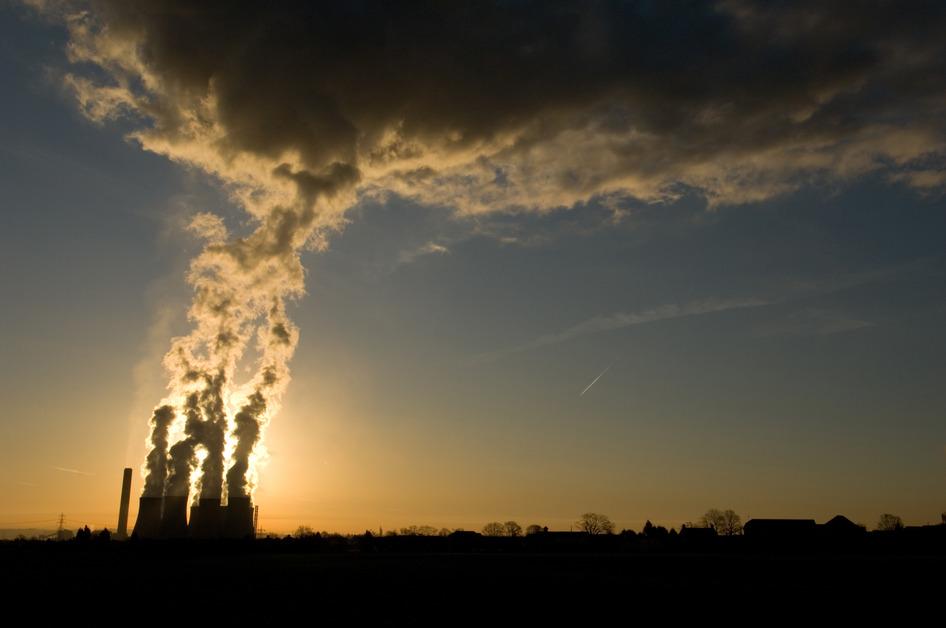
(301, 586)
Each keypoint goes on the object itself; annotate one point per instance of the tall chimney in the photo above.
(122, 531)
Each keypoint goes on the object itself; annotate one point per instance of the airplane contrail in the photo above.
(73, 471)
(595, 379)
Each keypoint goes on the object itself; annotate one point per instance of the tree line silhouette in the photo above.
(716, 531)
(597, 531)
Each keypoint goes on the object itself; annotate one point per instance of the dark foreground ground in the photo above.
(240, 583)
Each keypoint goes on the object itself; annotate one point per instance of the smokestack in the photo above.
(121, 531)
(238, 522)
(148, 524)
(206, 519)
(174, 520)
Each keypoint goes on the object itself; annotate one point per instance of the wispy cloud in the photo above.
(15, 482)
(811, 322)
(72, 471)
(621, 320)
(815, 321)
(430, 248)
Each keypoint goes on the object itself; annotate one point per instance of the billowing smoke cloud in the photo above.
(301, 108)
(182, 457)
(247, 432)
(522, 105)
(239, 285)
(277, 342)
(156, 462)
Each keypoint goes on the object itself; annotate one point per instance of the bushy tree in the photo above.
(534, 529)
(511, 528)
(494, 528)
(889, 523)
(595, 523)
(419, 531)
(651, 531)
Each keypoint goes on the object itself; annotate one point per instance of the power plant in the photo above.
(167, 517)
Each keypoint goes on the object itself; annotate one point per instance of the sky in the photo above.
(490, 213)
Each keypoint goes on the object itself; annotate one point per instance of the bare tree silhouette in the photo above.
(303, 531)
(595, 523)
(725, 522)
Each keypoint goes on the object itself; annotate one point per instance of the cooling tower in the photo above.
(206, 519)
(148, 524)
(121, 531)
(238, 521)
(174, 520)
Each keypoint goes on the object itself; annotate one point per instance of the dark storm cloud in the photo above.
(533, 104)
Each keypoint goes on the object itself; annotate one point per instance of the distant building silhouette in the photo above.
(779, 529)
(697, 538)
(840, 526)
(464, 540)
(838, 533)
